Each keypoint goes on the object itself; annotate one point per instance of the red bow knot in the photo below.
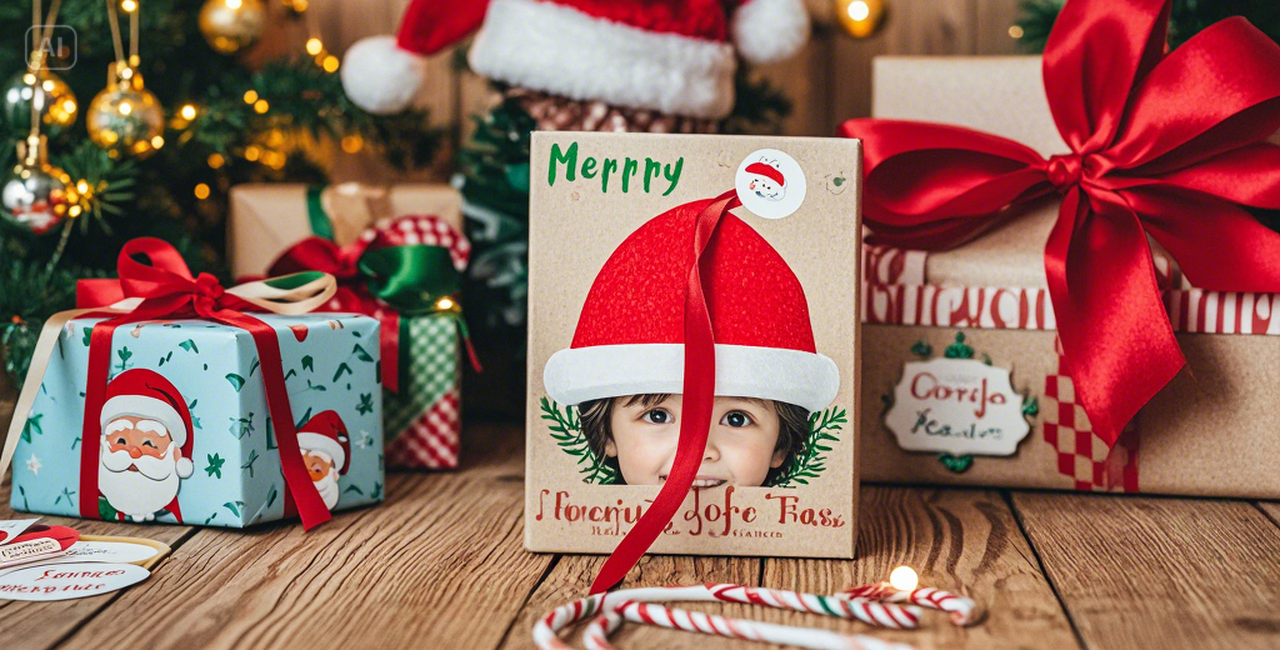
(1170, 145)
(208, 291)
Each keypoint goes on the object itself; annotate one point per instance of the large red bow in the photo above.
(167, 290)
(1169, 146)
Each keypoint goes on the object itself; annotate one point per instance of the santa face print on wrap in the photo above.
(624, 368)
(146, 427)
(766, 180)
(326, 453)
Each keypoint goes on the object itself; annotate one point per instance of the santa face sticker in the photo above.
(326, 449)
(771, 184)
(146, 447)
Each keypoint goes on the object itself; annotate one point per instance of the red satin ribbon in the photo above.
(1170, 146)
(169, 292)
(320, 254)
(697, 402)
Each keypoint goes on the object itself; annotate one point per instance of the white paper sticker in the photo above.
(957, 406)
(28, 551)
(771, 184)
(66, 581)
(14, 527)
(121, 552)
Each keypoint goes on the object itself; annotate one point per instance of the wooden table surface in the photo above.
(441, 565)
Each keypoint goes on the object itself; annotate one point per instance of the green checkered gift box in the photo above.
(406, 273)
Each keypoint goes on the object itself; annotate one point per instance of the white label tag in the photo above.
(32, 549)
(66, 581)
(14, 527)
(957, 406)
(121, 552)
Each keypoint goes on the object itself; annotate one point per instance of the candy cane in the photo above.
(962, 609)
(545, 631)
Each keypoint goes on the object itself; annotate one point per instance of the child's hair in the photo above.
(595, 417)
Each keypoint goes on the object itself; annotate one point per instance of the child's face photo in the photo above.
(742, 445)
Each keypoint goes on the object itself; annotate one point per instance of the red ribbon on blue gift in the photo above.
(1170, 145)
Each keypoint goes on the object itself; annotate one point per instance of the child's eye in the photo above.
(736, 419)
(657, 416)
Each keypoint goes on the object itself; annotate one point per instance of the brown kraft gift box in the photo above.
(611, 247)
(1205, 434)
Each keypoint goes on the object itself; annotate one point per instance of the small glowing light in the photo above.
(126, 73)
(261, 106)
(74, 211)
(216, 160)
(352, 143)
(69, 106)
(233, 4)
(188, 112)
(1015, 32)
(250, 96)
(444, 303)
(47, 85)
(129, 5)
(251, 153)
(202, 191)
(858, 10)
(330, 63)
(157, 142)
(82, 186)
(299, 5)
(126, 108)
(314, 46)
(29, 79)
(904, 578)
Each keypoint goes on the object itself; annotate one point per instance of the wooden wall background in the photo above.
(828, 82)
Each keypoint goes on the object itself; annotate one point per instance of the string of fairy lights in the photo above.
(125, 119)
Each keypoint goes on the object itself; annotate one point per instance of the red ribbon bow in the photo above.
(168, 291)
(1169, 146)
(320, 254)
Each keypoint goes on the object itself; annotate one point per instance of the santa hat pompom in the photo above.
(770, 30)
(185, 468)
(380, 76)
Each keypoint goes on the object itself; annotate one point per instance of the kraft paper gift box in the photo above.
(267, 218)
(202, 382)
(611, 251)
(962, 374)
(424, 414)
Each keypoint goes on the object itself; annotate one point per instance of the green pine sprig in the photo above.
(811, 461)
(566, 429)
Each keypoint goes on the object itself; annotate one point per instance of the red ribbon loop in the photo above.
(1170, 146)
(168, 291)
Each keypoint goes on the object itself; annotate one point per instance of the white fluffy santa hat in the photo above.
(146, 394)
(674, 56)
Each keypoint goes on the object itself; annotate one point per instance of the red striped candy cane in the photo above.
(961, 609)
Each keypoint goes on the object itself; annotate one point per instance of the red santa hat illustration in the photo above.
(146, 394)
(630, 335)
(326, 433)
(768, 171)
(674, 56)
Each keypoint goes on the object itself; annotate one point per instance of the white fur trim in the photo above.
(770, 30)
(577, 375)
(151, 408)
(380, 77)
(325, 445)
(185, 468)
(557, 49)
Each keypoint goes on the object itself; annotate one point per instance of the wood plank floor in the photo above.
(440, 565)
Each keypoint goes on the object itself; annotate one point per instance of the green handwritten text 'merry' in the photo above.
(607, 169)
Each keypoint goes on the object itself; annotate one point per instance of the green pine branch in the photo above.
(810, 462)
(566, 429)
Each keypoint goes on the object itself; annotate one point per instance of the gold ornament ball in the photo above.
(232, 25)
(35, 196)
(127, 119)
(53, 97)
(861, 18)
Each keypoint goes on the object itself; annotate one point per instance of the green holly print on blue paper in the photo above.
(191, 408)
(377, 492)
(32, 426)
(23, 493)
(124, 355)
(68, 494)
(308, 363)
(354, 488)
(241, 427)
(190, 346)
(343, 368)
(234, 507)
(214, 466)
(366, 404)
(253, 458)
(166, 358)
(236, 381)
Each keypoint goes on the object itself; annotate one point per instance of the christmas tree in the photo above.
(151, 113)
